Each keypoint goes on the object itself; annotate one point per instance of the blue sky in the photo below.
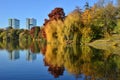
(38, 9)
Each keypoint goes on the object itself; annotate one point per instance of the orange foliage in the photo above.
(56, 14)
(87, 16)
(42, 33)
(34, 31)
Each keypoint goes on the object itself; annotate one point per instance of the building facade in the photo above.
(15, 23)
(30, 22)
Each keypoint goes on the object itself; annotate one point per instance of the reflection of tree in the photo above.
(111, 67)
(54, 58)
(42, 46)
(24, 44)
(21, 45)
(12, 45)
(56, 71)
(55, 55)
(72, 60)
(77, 60)
(34, 47)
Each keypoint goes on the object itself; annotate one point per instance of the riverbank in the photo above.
(112, 43)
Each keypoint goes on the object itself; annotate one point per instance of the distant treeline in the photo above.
(21, 34)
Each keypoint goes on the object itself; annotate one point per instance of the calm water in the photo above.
(57, 62)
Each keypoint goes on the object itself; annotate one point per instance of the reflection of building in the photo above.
(14, 55)
(30, 22)
(31, 56)
(15, 23)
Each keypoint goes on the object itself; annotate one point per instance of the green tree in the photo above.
(109, 18)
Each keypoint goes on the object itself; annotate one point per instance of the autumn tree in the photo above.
(34, 32)
(108, 17)
(42, 34)
(73, 25)
(54, 25)
(56, 14)
(104, 20)
(25, 35)
(1, 31)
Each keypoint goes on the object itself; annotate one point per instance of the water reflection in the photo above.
(30, 56)
(14, 55)
(80, 61)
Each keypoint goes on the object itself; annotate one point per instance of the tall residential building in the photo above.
(30, 22)
(15, 23)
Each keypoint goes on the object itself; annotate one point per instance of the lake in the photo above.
(36, 61)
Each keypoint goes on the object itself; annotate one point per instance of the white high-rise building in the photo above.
(30, 22)
(15, 23)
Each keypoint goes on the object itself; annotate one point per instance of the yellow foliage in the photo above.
(50, 29)
(86, 53)
(72, 60)
(87, 17)
(54, 31)
(86, 35)
(55, 55)
(73, 26)
(60, 31)
(73, 19)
